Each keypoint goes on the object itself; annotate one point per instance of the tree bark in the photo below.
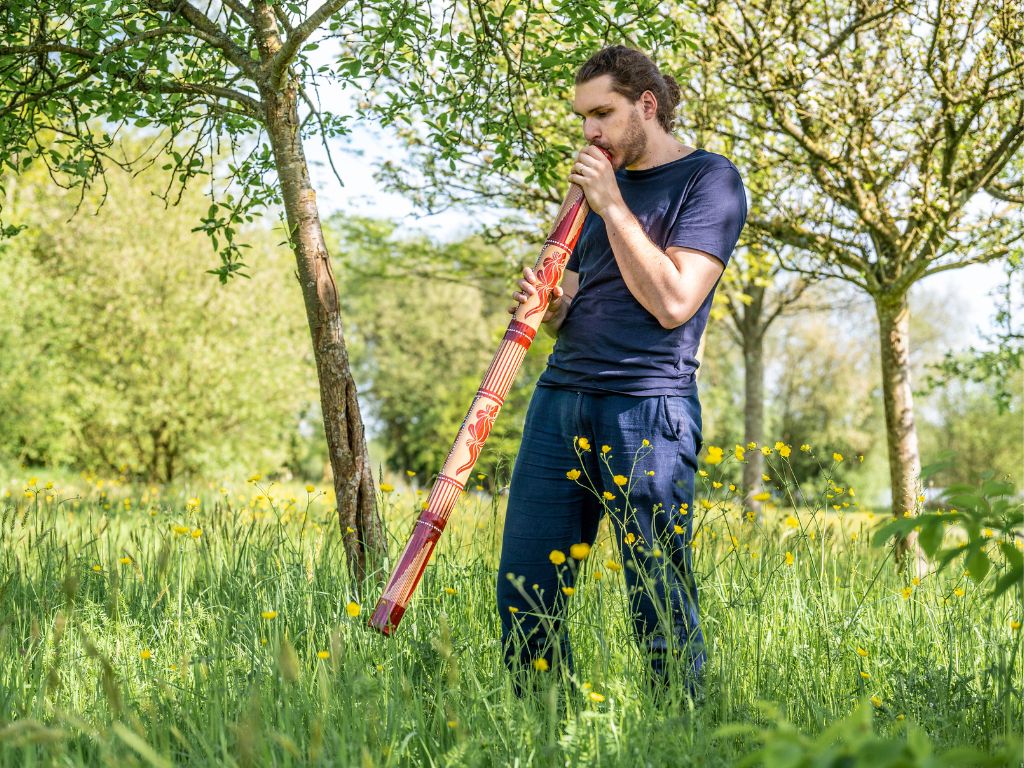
(753, 409)
(904, 457)
(360, 521)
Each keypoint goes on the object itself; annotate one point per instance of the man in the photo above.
(615, 422)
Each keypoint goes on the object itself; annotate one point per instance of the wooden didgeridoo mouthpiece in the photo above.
(489, 398)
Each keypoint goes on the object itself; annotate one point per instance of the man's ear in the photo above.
(649, 104)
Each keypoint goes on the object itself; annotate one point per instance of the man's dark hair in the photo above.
(632, 73)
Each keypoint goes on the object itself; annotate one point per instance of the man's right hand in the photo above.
(528, 286)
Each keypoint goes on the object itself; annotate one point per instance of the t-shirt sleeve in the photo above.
(712, 215)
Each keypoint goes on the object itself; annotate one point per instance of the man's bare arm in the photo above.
(671, 284)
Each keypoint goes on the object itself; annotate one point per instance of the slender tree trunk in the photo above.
(346, 442)
(904, 457)
(753, 412)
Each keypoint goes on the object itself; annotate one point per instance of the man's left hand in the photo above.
(594, 173)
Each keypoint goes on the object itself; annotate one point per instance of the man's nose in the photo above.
(591, 130)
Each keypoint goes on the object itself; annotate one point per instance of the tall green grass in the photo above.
(215, 625)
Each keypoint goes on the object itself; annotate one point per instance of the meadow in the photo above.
(216, 624)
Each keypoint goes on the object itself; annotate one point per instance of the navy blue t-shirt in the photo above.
(608, 342)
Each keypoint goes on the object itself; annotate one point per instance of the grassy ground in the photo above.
(214, 625)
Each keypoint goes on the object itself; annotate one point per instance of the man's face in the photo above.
(611, 121)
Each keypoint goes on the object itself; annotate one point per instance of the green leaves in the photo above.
(989, 521)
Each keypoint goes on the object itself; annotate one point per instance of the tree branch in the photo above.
(295, 39)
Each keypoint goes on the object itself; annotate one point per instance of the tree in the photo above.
(891, 121)
(119, 357)
(72, 75)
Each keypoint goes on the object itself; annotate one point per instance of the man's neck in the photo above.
(661, 151)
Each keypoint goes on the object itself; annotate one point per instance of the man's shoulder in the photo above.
(713, 162)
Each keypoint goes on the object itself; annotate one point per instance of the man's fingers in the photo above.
(527, 287)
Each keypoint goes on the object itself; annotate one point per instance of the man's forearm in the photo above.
(649, 274)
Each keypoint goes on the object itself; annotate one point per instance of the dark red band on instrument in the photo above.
(561, 232)
(520, 333)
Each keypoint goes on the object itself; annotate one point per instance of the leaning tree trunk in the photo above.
(360, 521)
(901, 434)
(753, 412)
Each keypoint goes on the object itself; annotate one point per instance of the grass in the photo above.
(197, 626)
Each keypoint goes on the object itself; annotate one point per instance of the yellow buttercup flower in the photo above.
(907, 592)
(451, 591)
(196, 533)
(862, 652)
(605, 448)
(1014, 625)
(876, 700)
(762, 496)
(568, 590)
(785, 450)
(765, 477)
(541, 665)
(612, 566)
(513, 609)
(714, 455)
(789, 558)
(323, 654)
(145, 654)
(268, 615)
(255, 478)
(583, 443)
(125, 560)
(97, 568)
(679, 529)
(766, 450)
(865, 675)
(310, 487)
(620, 480)
(837, 457)
(180, 530)
(739, 453)
(630, 538)
(573, 474)
(959, 592)
(557, 556)
(609, 496)
(596, 697)
(792, 522)
(805, 448)
(386, 488)
(579, 551)
(353, 609)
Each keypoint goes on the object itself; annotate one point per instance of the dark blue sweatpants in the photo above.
(651, 514)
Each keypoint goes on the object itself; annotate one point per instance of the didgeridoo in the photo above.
(481, 415)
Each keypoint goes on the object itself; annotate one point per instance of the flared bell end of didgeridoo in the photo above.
(386, 616)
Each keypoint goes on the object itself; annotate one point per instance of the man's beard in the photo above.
(634, 143)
